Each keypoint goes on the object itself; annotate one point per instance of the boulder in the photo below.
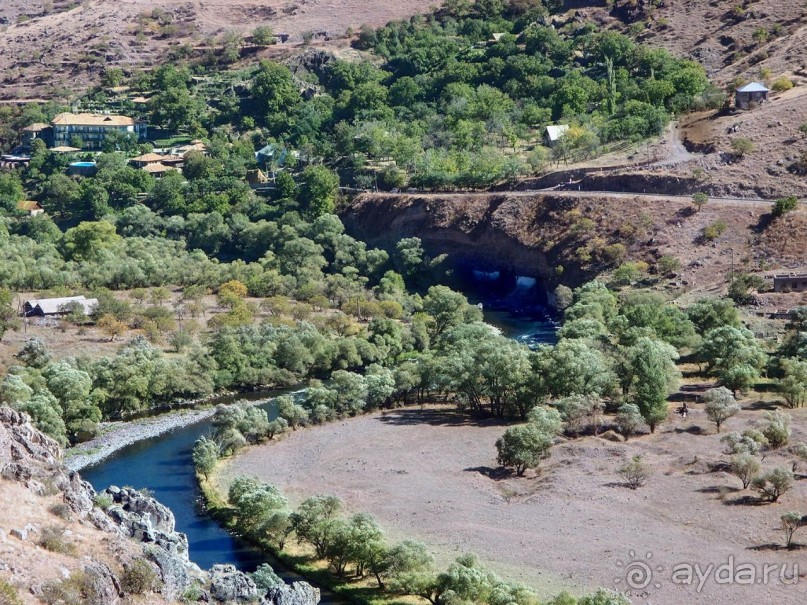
(298, 593)
(103, 585)
(229, 585)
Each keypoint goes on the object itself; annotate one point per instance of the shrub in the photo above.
(784, 205)
(713, 231)
(103, 501)
(9, 594)
(742, 146)
(139, 577)
(635, 472)
(629, 420)
(53, 539)
(667, 264)
(751, 441)
(61, 510)
(781, 84)
(776, 429)
(744, 467)
(773, 484)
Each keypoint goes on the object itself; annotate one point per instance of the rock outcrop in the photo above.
(129, 519)
(297, 593)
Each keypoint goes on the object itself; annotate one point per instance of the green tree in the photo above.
(793, 384)
(649, 375)
(89, 239)
(263, 35)
(205, 455)
(773, 484)
(699, 200)
(745, 467)
(9, 318)
(319, 190)
(784, 205)
(523, 447)
(720, 405)
(313, 519)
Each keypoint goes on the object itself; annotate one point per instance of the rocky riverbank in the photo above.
(117, 435)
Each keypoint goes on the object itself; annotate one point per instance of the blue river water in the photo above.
(163, 465)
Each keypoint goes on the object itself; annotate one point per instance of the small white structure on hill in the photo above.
(750, 94)
(57, 306)
(553, 133)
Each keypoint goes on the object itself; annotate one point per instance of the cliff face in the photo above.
(57, 543)
(573, 237)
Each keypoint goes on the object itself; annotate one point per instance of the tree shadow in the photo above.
(763, 223)
(436, 417)
(776, 547)
(762, 405)
(690, 430)
(718, 489)
(497, 474)
(747, 501)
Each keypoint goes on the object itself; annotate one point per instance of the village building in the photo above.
(30, 207)
(144, 160)
(554, 133)
(35, 131)
(790, 282)
(93, 128)
(43, 307)
(750, 95)
(157, 169)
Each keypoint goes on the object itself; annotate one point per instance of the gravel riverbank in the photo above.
(117, 435)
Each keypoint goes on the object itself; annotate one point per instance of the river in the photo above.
(163, 465)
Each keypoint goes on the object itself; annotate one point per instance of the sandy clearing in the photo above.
(428, 474)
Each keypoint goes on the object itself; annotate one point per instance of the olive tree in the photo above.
(773, 484)
(720, 405)
(523, 447)
(745, 467)
(791, 521)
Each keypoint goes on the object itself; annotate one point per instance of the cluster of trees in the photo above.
(66, 399)
(355, 548)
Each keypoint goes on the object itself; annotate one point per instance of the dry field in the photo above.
(431, 474)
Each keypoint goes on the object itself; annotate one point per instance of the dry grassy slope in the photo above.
(47, 52)
(536, 234)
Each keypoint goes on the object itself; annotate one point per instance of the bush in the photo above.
(139, 577)
(781, 84)
(776, 429)
(629, 420)
(784, 205)
(635, 473)
(667, 264)
(742, 146)
(61, 510)
(713, 231)
(773, 484)
(53, 539)
(9, 594)
(720, 405)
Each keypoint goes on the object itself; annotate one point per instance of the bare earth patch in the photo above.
(431, 474)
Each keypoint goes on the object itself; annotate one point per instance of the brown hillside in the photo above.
(572, 237)
(44, 52)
